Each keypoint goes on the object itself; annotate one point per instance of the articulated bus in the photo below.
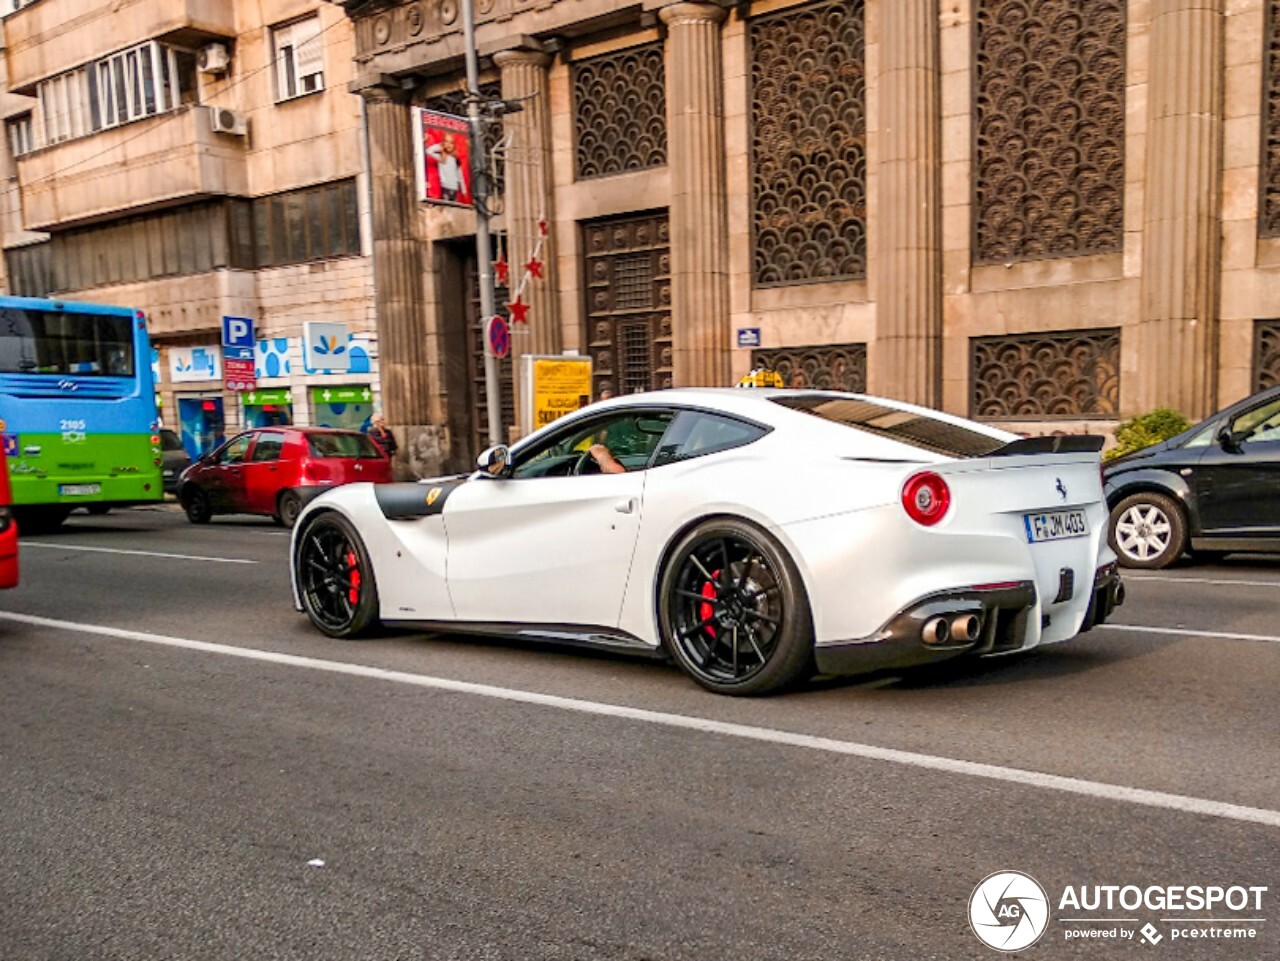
(78, 407)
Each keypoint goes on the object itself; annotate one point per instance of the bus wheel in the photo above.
(196, 503)
(40, 520)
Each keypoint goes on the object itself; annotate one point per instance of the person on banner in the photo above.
(381, 435)
(449, 167)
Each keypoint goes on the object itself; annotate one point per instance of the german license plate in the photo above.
(1055, 526)
(79, 490)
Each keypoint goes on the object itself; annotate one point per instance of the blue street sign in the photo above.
(238, 332)
(748, 336)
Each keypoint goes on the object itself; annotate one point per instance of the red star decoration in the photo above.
(534, 266)
(542, 227)
(519, 311)
(501, 268)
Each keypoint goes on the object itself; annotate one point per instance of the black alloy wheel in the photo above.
(335, 577)
(196, 503)
(733, 611)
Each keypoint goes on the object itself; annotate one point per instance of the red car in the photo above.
(276, 470)
(8, 531)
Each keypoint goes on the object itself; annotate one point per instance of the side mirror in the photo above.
(494, 460)
(1227, 440)
(206, 459)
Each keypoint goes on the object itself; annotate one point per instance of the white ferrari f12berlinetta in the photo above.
(757, 537)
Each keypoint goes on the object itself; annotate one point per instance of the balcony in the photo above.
(52, 36)
(146, 164)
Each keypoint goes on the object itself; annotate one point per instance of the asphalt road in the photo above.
(188, 770)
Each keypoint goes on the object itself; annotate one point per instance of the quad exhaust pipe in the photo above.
(958, 628)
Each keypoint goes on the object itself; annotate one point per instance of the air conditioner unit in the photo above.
(213, 58)
(232, 122)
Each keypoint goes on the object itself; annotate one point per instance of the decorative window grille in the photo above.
(1269, 205)
(1067, 374)
(809, 144)
(1266, 354)
(299, 57)
(620, 112)
(819, 367)
(1049, 141)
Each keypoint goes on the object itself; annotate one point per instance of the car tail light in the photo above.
(925, 498)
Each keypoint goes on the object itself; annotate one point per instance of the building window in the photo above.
(1067, 374)
(808, 144)
(311, 224)
(30, 270)
(1049, 140)
(21, 134)
(620, 112)
(140, 82)
(299, 57)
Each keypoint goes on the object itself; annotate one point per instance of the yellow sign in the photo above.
(560, 386)
(432, 495)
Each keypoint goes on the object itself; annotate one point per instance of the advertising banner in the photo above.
(442, 148)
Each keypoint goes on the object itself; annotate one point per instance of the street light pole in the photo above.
(480, 196)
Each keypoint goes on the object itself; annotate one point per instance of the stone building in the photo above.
(198, 159)
(1046, 214)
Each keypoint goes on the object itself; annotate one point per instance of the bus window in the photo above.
(34, 341)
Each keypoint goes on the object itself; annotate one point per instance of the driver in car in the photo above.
(602, 456)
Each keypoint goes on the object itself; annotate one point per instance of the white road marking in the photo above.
(117, 550)
(992, 772)
(1184, 632)
(1130, 576)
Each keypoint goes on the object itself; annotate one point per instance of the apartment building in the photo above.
(199, 159)
(1049, 215)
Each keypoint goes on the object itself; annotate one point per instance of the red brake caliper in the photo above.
(706, 610)
(353, 595)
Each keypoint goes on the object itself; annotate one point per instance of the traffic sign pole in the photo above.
(480, 194)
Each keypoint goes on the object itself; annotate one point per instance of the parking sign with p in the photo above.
(237, 332)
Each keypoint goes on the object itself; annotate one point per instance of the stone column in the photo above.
(530, 194)
(699, 205)
(1177, 336)
(908, 347)
(398, 294)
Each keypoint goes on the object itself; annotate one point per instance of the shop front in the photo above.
(269, 407)
(348, 407)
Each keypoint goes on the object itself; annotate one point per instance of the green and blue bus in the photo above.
(78, 406)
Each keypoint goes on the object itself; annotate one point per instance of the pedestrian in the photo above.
(382, 436)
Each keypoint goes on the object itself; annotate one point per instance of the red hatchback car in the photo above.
(276, 470)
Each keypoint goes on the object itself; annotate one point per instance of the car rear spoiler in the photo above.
(1059, 444)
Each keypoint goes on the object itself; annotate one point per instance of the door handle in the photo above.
(625, 507)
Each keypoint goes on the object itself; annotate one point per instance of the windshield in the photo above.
(342, 445)
(58, 342)
(905, 426)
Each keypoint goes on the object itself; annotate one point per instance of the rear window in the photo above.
(905, 426)
(342, 445)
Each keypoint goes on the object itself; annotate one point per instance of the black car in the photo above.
(1211, 490)
(174, 459)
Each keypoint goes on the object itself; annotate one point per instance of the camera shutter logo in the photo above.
(1009, 911)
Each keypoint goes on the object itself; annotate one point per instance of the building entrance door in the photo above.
(627, 266)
